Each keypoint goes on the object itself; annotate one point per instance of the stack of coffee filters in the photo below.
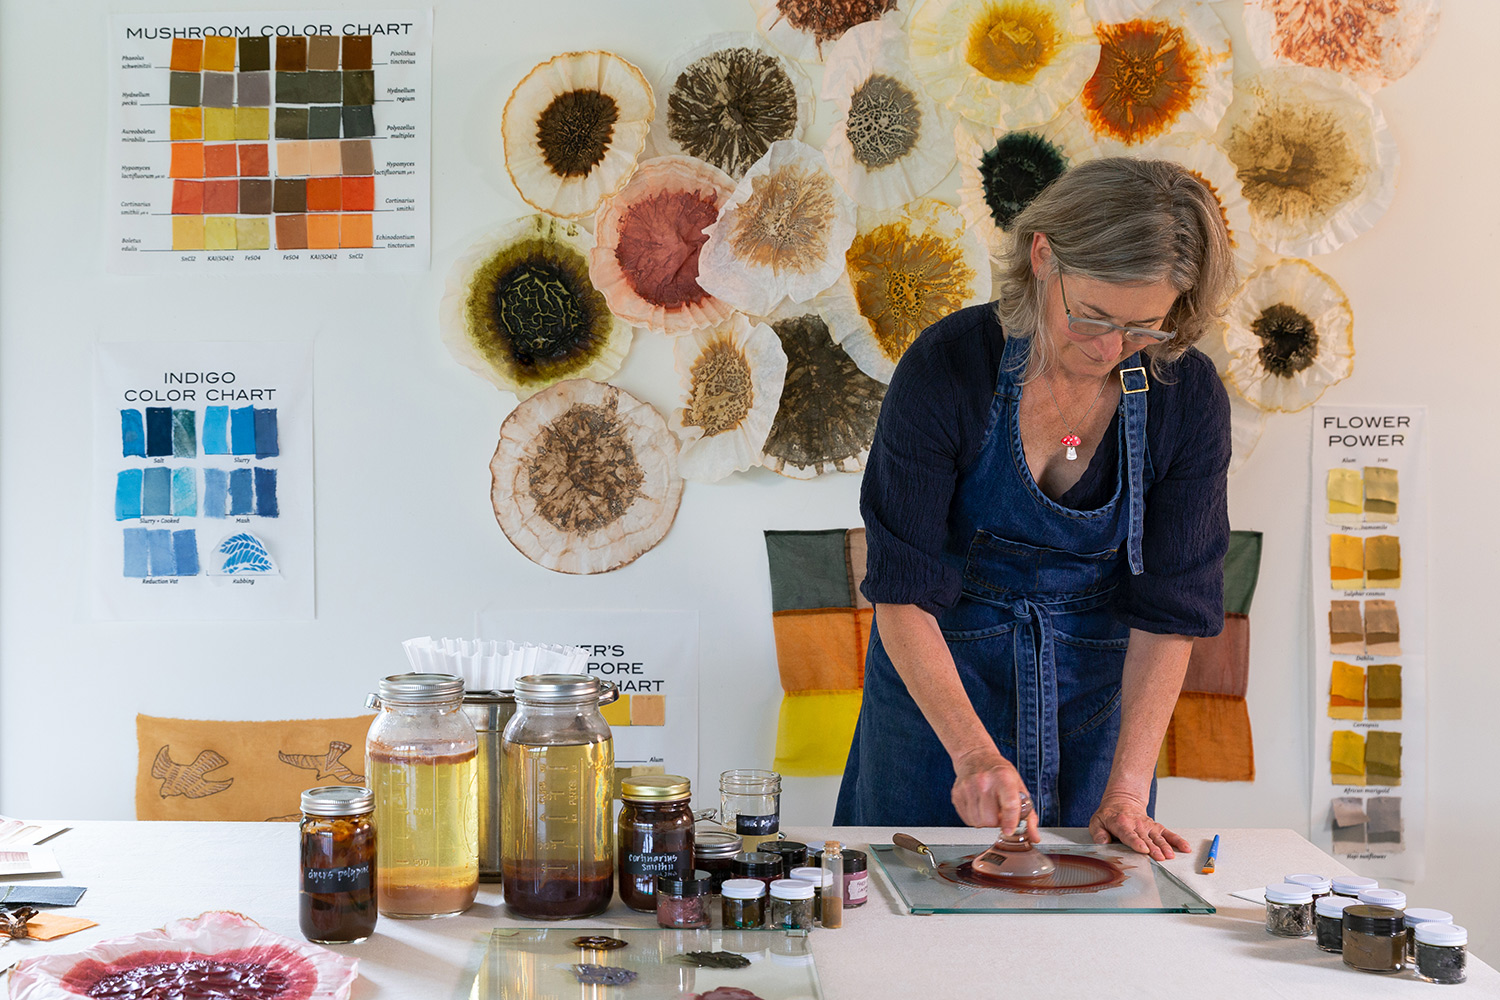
(490, 665)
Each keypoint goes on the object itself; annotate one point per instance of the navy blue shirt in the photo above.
(933, 423)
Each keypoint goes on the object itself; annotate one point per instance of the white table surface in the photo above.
(143, 875)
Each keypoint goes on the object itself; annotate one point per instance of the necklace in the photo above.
(1071, 440)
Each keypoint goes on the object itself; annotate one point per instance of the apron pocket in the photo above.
(997, 566)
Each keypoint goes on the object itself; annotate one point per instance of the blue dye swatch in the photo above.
(215, 493)
(135, 552)
(156, 492)
(265, 493)
(128, 495)
(239, 492)
(266, 443)
(185, 492)
(160, 555)
(158, 431)
(242, 430)
(216, 430)
(132, 433)
(184, 434)
(185, 548)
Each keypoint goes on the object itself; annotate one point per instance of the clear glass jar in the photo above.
(750, 804)
(1414, 915)
(1374, 938)
(1321, 885)
(791, 905)
(1328, 918)
(819, 880)
(744, 903)
(758, 865)
(336, 904)
(1351, 886)
(557, 799)
(792, 853)
(1442, 952)
(682, 903)
(655, 835)
(1289, 910)
(714, 851)
(420, 755)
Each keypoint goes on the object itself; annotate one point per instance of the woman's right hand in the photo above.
(988, 791)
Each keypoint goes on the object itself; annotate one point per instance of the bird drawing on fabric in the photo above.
(188, 779)
(328, 765)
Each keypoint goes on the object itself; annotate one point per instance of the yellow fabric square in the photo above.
(1345, 492)
(1209, 738)
(218, 53)
(1383, 561)
(1346, 561)
(187, 232)
(1346, 691)
(250, 123)
(252, 234)
(814, 730)
(186, 123)
(618, 713)
(1382, 493)
(218, 233)
(1347, 758)
(819, 650)
(648, 710)
(218, 124)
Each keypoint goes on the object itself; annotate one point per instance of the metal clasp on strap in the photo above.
(1133, 380)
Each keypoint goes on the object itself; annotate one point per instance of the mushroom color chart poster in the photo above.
(1369, 591)
(202, 507)
(269, 142)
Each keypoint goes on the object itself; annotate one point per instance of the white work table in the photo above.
(144, 875)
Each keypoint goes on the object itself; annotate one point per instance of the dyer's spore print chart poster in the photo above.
(203, 503)
(266, 142)
(1369, 590)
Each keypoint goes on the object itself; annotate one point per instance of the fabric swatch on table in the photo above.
(1382, 628)
(1349, 823)
(1346, 562)
(1383, 561)
(1346, 628)
(1382, 758)
(1384, 825)
(1208, 738)
(1347, 758)
(1345, 497)
(50, 926)
(1383, 692)
(1346, 692)
(1382, 494)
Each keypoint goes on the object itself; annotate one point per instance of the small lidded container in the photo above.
(820, 880)
(655, 835)
(714, 851)
(856, 878)
(1420, 915)
(793, 854)
(682, 903)
(758, 865)
(791, 905)
(336, 904)
(1351, 886)
(1374, 938)
(1289, 910)
(1321, 885)
(1328, 915)
(1394, 898)
(744, 903)
(1442, 952)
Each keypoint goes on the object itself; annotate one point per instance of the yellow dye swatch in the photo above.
(218, 124)
(1345, 496)
(1383, 561)
(814, 731)
(617, 713)
(218, 53)
(1382, 493)
(1383, 692)
(185, 123)
(1346, 691)
(187, 232)
(252, 234)
(250, 123)
(218, 233)
(1347, 757)
(1383, 758)
(1346, 561)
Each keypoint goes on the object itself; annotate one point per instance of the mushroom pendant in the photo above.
(1072, 441)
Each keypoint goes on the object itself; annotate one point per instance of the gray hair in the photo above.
(1124, 221)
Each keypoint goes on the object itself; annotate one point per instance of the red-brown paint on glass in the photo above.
(1075, 873)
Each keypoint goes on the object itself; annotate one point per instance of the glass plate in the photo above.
(536, 963)
(1148, 887)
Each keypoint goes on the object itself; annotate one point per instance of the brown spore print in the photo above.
(827, 20)
(722, 390)
(905, 282)
(1297, 161)
(574, 131)
(582, 473)
(729, 106)
(785, 223)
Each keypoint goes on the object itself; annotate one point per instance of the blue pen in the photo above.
(1213, 856)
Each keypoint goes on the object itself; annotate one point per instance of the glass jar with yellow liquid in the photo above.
(557, 799)
(420, 755)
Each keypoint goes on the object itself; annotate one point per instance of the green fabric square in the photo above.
(184, 89)
(325, 87)
(1241, 571)
(291, 88)
(323, 123)
(808, 570)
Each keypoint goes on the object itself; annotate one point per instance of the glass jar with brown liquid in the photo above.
(656, 835)
(336, 904)
(420, 755)
(557, 800)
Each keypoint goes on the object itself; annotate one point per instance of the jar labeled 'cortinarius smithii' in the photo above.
(337, 901)
(1374, 938)
(655, 835)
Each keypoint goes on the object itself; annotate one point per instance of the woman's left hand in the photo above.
(1124, 817)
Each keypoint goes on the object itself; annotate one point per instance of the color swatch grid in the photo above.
(163, 492)
(256, 147)
(169, 432)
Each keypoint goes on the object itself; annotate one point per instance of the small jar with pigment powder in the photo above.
(1321, 885)
(1289, 910)
(1442, 952)
(1328, 915)
(1350, 886)
(1374, 938)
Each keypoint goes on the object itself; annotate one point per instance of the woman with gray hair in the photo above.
(1046, 522)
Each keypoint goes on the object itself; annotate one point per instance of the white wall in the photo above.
(424, 556)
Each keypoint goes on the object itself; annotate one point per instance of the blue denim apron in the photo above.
(1032, 634)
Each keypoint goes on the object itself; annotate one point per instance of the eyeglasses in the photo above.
(1099, 327)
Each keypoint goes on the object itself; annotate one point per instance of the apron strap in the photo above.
(1133, 387)
(1038, 753)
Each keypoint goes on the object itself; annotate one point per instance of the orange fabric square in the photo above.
(648, 710)
(359, 194)
(187, 160)
(185, 123)
(1209, 738)
(357, 231)
(220, 160)
(255, 161)
(322, 232)
(323, 194)
(49, 926)
(187, 197)
(221, 197)
(1221, 664)
(218, 53)
(819, 650)
(187, 55)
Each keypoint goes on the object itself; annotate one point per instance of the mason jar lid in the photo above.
(757, 864)
(791, 888)
(1286, 892)
(816, 876)
(421, 689)
(1425, 914)
(337, 800)
(716, 844)
(1334, 906)
(1394, 898)
(1317, 883)
(698, 883)
(656, 788)
(743, 888)
(1353, 885)
(1441, 934)
(1382, 921)
(556, 688)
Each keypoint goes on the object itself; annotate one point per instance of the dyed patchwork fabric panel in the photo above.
(822, 626)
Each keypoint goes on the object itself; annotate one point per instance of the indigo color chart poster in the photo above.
(203, 508)
(269, 142)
